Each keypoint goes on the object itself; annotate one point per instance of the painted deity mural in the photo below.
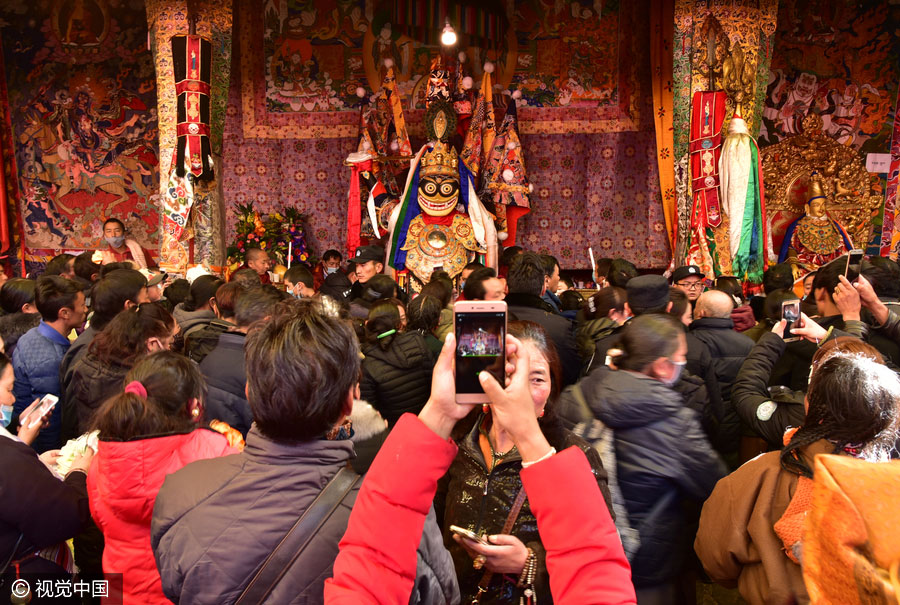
(82, 99)
(841, 60)
(582, 68)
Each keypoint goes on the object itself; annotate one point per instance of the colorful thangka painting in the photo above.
(313, 54)
(840, 59)
(82, 97)
(567, 52)
(563, 54)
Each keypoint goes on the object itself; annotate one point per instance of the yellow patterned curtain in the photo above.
(662, 15)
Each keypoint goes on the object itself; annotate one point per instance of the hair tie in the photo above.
(136, 388)
(386, 334)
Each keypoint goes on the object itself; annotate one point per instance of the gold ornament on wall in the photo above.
(852, 193)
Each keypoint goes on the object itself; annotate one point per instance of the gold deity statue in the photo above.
(814, 239)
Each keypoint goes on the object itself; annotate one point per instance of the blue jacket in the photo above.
(36, 363)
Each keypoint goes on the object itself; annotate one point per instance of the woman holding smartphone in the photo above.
(39, 510)
(482, 491)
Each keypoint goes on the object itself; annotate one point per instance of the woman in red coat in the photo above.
(377, 561)
(147, 432)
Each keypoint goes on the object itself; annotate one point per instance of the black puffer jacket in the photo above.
(751, 391)
(226, 377)
(728, 349)
(471, 497)
(662, 456)
(93, 381)
(397, 380)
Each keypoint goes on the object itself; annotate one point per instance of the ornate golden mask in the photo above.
(438, 194)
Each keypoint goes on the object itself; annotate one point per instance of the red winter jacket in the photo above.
(124, 479)
(377, 561)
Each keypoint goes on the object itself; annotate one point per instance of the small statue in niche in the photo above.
(814, 239)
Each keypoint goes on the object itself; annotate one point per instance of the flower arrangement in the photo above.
(278, 233)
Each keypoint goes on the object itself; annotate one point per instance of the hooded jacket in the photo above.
(250, 501)
(397, 379)
(123, 483)
(589, 333)
(662, 456)
(189, 321)
(736, 540)
(203, 340)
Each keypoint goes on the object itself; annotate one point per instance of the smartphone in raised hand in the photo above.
(854, 264)
(480, 329)
(790, 312)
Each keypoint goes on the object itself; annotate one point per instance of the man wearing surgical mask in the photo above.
(298, 281)
(329, 265)
(122, 248)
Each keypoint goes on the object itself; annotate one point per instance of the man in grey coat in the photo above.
(216, 522)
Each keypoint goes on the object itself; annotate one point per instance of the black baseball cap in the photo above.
(687, 271)
(364, 254)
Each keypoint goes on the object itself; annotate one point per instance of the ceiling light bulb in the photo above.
(448, 36)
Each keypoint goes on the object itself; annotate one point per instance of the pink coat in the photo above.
(377, 561)
(124, 479)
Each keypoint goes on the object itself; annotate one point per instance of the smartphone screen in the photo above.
(480, 347)
(854, 264)
(790, 312)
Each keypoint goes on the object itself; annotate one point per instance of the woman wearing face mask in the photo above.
(148, 431)
(38, 511)
(130, 335)
(662, 454)
(122, 248)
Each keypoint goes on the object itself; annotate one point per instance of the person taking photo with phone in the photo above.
(482, 491)
(585, 560)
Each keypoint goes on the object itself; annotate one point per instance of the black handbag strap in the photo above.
(298, 538)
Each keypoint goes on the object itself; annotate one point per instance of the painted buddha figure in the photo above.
(441, 236)
(814, 239)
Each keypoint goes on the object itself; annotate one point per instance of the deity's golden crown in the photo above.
(440, 160)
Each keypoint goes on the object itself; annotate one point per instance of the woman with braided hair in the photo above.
(751, 525)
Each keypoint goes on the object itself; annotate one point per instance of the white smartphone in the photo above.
(465, 533)
(854, 264)
(47, 403)
(480, 328)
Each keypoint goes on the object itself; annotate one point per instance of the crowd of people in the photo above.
(247, 441)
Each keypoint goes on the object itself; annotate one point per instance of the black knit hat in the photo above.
(647, 291)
